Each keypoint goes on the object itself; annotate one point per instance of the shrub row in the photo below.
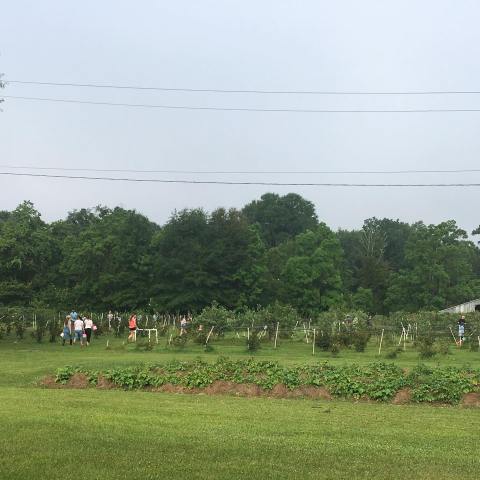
(377, 381)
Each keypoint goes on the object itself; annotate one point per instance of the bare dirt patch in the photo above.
(105, 384)
(221, 387)
(49, 382)
(78, 380)
(315, 392)
(471, 399)
(402, 397)
(170, 388)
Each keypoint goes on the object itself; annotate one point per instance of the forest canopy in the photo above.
(273, 250)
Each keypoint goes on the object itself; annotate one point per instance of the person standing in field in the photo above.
(461, 330)
(67, 330)
(110, 318)
(88, 329)
(132, 326)
(79, 330)
(183, 326)
(73, 316)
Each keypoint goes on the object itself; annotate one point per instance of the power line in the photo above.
(268, 92)
(221, 182)
(243, 109)
(244, 172)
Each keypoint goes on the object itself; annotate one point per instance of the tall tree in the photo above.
(305, 271)
(104, 263)
(201, 258)
(27, 252)
(439, 269)
(281, 218)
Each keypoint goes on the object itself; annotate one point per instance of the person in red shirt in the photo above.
(132, 326)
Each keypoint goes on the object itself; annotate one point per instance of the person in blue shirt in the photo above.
(73, 317)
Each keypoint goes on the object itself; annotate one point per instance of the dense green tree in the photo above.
(305, 271)
(439, 269)
(104, 263)
(202, 258)
(371, 255)
(281, 218)
(27, 252)
(272, 251)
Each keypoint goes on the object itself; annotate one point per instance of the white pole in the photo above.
(248, 333)
(208, 336)
(276, 335)
(453, 335)
(313, 343)
(381, 340)
(305, 330)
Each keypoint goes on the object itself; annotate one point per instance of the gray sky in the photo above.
(273, 45)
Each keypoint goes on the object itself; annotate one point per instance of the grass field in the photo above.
(114, 434)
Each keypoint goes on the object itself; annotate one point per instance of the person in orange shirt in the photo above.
(132, 326)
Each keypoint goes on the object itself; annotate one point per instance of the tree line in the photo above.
(273, 250)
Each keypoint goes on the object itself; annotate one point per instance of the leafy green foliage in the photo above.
(253, 342)
(377, 381)
(272, 252)
(281, 218)
(442, 385)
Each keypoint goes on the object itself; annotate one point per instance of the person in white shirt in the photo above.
(183, 326)
(110, 318)
(79, 330)
(88, 329)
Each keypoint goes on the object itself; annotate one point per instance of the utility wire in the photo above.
(268, 92)
(244, 109)
(221, 182)
(243, 172)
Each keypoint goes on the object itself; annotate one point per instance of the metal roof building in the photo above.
(467, 307)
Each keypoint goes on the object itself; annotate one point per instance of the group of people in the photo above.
(76, 327)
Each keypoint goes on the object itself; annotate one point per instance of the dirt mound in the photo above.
(221, 387)
(78, 380)
(471, 400)
(104, 384)
(280, 391)
(170, 388)
(402, 397)
(49, 382)
(315, 392)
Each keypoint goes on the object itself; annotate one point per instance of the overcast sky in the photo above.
(271, 45)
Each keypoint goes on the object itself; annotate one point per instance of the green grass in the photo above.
(25, 361)
(150, 435)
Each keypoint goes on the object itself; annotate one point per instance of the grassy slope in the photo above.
(146, 435)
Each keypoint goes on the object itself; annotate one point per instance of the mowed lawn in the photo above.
(95, 434)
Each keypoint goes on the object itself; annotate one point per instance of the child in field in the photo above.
(88, 329)
(79, 330)
(67, 330)
(110, 318)
(132, 326)
(461, 330)
(183, 326)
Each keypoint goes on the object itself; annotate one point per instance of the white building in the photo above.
(467, 307)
